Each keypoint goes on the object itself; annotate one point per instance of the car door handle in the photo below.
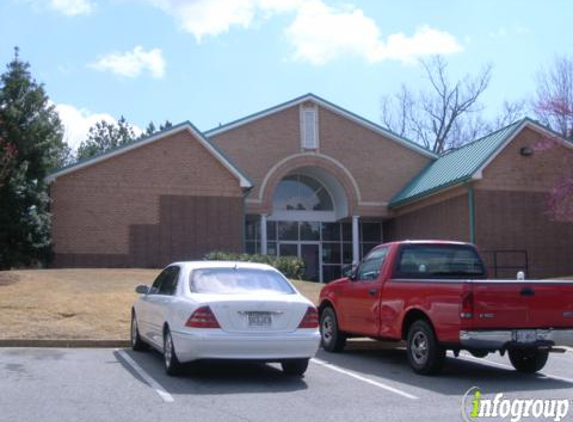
(527, 291)
(372, 292)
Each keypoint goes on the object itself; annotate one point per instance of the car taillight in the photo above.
(203, 317)
(467, 310)
(310, 319)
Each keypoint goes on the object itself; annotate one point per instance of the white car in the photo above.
(225, 310)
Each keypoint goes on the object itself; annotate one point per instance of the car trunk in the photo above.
(252, 314)
(502, 304)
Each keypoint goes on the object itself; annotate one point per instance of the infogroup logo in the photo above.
(476, 407)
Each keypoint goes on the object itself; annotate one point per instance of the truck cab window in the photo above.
(371, 266)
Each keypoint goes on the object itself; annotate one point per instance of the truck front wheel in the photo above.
(528, 360)
(425, 354)
(332, 339)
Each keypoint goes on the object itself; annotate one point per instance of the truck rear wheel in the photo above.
(528, 360)
(332, 339)
(425, 354)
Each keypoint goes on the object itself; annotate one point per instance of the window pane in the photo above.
(371, 232)
(301, 193)
(250, 247)
(330, 272)
(347, 232)
(330, 231)
(288, 249)
(238, 281)
(370, 268)
(429, 261)
(367, 247)
(271, 230)
(288, 230)
(331, 253)
(310, 231)
(347, 253)
(252, 228)
(272, 248)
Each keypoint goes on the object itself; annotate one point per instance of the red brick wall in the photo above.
(167, 200)
(441, 217)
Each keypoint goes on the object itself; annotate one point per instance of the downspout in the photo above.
(472, 213)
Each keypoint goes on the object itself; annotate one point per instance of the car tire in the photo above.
(295, 367)
(425, 354)
(137, 343)
(172, 365)
(332, 339)
(528, 361)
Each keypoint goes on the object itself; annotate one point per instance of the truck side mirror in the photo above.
(350, 271)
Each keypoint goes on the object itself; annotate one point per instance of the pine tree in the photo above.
(105, 136)
(31, 129)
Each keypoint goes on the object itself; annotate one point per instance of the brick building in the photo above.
(311, 179)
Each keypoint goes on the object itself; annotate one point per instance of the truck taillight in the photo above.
(310, 319)
(203, 317)
(467, 311)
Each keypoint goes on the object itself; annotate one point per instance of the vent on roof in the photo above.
(309, 128)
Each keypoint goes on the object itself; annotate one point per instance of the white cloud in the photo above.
(213, 17)
(131, 63)
(77, 123)
(66, 7)
(318, 34)
(321, 33)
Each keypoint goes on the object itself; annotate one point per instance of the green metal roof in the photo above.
(455, 167)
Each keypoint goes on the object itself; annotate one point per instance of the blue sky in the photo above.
(213, 61)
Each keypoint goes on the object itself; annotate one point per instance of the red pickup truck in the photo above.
(435, 295)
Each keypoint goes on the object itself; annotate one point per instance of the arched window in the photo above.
(301, 193)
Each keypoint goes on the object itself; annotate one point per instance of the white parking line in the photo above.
(364, 379)
(146, 377)
(505, 366)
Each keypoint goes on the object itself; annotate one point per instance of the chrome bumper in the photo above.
(501, 339)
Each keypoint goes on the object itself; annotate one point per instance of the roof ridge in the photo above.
(333, 107)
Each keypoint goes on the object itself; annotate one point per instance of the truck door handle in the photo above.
(527, 291)
(372, 292)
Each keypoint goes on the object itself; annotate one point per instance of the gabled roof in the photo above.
(463, 164)
(185, 126)
(331, 107)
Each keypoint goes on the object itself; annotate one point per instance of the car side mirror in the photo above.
(142, 290)
(350, 271)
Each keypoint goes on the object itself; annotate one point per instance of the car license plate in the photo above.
(526, 336)
(259, 319)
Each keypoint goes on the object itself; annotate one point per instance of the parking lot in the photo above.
(366, 383)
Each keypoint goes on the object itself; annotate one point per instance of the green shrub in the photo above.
(290, 266)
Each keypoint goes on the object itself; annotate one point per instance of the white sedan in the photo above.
(225, 310)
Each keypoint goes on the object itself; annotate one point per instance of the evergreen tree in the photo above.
(31, 130)
(105, 136)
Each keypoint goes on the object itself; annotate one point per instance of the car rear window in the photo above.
(439, 261)
(238, 281)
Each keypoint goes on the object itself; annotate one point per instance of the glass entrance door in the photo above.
(310, 254)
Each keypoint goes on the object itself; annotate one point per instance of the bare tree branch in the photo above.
(433, 117)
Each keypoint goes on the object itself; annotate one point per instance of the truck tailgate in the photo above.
(502, 304)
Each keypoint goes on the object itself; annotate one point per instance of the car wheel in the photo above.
(528, 360)
(332, 339)
(137, 343)
(425, 354)
(172, 364)
(295, 367)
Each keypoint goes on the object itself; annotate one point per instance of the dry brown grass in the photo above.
(77, 303)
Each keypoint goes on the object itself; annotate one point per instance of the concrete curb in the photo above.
(64, 343)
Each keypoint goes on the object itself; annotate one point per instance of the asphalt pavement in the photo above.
(365, 383)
